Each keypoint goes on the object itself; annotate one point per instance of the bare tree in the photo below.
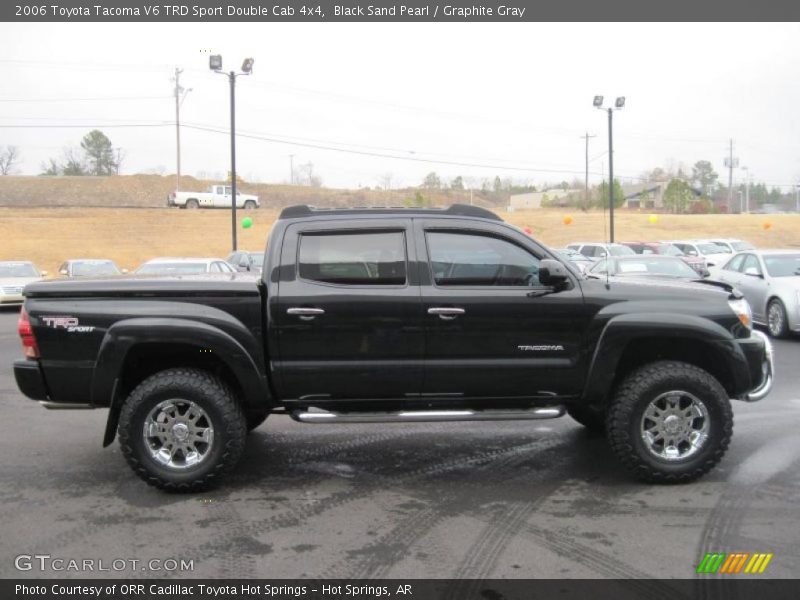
(385, 181)
(9, 156)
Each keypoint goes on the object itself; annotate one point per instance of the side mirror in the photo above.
(752, 272)
(64, 272)
(124, 271)
(710, 264)
(44, 273)
(552, 272)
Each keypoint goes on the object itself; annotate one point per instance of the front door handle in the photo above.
(446, 313)
(305, 314)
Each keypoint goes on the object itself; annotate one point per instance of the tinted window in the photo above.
(735, 264)
(468, 259)
(353, 258)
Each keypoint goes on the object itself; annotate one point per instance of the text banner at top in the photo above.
(109, 11)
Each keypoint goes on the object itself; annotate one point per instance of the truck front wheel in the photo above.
(669, 422)
(182, 430)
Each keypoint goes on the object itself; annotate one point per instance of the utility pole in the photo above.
(291, 169)
(797, 197)
(586, 136)
(611, 175)
(180, 95)
(731, 163)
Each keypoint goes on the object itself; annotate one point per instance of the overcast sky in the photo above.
(500, 95)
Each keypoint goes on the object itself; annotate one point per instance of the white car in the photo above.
(184, 266)
(770, 281)
(714, 254)
(217, 196)
(14, 276)
(733, 244)
(598, 250)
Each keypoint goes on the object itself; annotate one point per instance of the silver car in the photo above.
(14, 276)
(770, 280)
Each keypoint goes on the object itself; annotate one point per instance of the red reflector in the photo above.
(25, 330)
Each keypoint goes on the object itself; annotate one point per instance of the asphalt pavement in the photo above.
(442, 500)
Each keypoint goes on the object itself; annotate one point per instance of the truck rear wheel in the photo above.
(669, 422)
(249, 205)
(192, 203)
(182, 430)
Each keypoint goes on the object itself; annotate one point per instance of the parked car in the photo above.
(770, 280)
(713, 254)
(580, 261)
(14, 276)
(663, 267)
(184, 266)
(733, 245)
(246, 261)
(89, 267)
(660, 248)
(394, 315)
(217, 196)
(597, 250)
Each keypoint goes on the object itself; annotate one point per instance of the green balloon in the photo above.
(247, 222)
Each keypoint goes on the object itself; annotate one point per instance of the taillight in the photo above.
(25, 330)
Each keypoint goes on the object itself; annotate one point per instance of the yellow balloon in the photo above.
(653, 218)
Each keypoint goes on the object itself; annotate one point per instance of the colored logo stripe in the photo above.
(724, 563)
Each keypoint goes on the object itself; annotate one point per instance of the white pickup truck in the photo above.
(217, 196)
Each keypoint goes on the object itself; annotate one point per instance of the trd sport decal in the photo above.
(71, 324)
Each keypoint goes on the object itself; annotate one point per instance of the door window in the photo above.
(369, 258)
(735, 264)
(751, 262)
(480, 260)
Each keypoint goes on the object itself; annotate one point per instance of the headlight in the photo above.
(741, 309)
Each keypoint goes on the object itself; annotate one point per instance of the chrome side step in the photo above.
(424, 416)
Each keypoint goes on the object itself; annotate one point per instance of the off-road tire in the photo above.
(219, 403)
(782, 330)
(631, 398)
(593, 420)
(255, 419)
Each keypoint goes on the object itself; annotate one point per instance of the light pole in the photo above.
(619, 103)
(215, 64)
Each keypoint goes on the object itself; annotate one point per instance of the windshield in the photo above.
(94, 268)
(739, 246)
(783, 265)
(712, 249)
(18, 269)
(176, 268)
(620, 251)
(669, 250)
(668, 267)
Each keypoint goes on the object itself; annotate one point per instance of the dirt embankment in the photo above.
(150, 191)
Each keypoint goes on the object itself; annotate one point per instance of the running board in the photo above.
(424, 416)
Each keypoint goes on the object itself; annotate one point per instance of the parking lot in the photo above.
(460, 500)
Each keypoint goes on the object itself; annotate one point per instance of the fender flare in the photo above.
(127, 334)
(623, 329)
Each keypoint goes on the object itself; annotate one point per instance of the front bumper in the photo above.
(762, 366)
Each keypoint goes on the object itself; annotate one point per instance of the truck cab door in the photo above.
(493, 332)
(346, 321)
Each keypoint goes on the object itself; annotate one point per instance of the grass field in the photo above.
(48, 236)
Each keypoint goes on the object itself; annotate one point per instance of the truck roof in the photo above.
(455, 210)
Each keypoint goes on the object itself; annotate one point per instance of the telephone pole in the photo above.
(291, 169)
(731, 163)
(586, 136)
(180, 95)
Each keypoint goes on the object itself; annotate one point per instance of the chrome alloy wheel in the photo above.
(775, 319)
(675, 426)
(178, 434)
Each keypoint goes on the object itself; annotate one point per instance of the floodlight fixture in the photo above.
(598, 102)
(215, 62)
(247, 66)
(620, 102)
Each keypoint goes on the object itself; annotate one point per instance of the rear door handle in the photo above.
(446, 313)
(305, 314)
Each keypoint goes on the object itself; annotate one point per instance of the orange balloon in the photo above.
(767, 225)
(528, 230)
(567, 220)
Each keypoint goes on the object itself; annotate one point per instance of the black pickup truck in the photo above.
(379, 315)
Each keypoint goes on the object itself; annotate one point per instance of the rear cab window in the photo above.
(353, 258)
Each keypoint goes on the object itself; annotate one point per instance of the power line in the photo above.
(98, 99)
